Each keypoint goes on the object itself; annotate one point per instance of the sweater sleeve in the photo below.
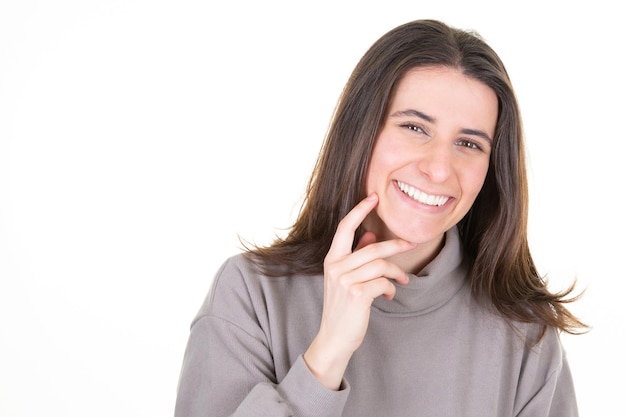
(228, 366)
(551, 386)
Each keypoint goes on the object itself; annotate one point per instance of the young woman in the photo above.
(406, 286)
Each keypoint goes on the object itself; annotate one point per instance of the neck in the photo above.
(412, 261)
(416, 259)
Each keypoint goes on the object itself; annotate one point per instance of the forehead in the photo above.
(448, 96)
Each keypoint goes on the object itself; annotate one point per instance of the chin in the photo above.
(420, 234)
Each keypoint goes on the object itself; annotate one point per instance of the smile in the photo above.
(421, 197)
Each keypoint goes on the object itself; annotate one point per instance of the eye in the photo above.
(414, 128)
(470, 144)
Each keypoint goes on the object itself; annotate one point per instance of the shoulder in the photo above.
(541, 352)
(549, 353)
(236, 268)
(240, 287)
(545, 379)
(230, 299)
(532, 343)
(241, 274)
(233, 281)
(537, 351)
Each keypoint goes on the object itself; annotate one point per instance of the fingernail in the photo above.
(371, 197)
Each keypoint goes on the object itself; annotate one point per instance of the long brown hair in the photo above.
(494, 231)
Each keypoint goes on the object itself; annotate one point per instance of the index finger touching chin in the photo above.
(344, 236)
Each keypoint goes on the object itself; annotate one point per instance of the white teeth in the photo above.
(417, 195)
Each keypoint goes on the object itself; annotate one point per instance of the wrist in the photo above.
(325, 364)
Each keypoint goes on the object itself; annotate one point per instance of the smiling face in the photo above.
(432, 154)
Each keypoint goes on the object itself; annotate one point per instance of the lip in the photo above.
(430, 201)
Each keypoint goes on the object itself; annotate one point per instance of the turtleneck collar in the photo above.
(433, 286)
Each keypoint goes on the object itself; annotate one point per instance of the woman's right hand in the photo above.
(352, 280)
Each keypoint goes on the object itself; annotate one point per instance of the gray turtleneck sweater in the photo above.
(431, 351)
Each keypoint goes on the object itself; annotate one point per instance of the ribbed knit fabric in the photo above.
(431, 351)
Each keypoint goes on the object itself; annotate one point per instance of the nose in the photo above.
(436, 161)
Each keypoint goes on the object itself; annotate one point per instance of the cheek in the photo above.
(475, 178)
(373, 179)
(374, 171)
(386, 158)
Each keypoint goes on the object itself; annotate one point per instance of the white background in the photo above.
(139, 138)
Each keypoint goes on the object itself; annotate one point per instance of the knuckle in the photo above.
(355, 291)
(379, 265)
(330, 271)
(345, 282)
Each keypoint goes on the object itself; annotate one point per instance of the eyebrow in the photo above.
(412, 112)
(431, 119)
